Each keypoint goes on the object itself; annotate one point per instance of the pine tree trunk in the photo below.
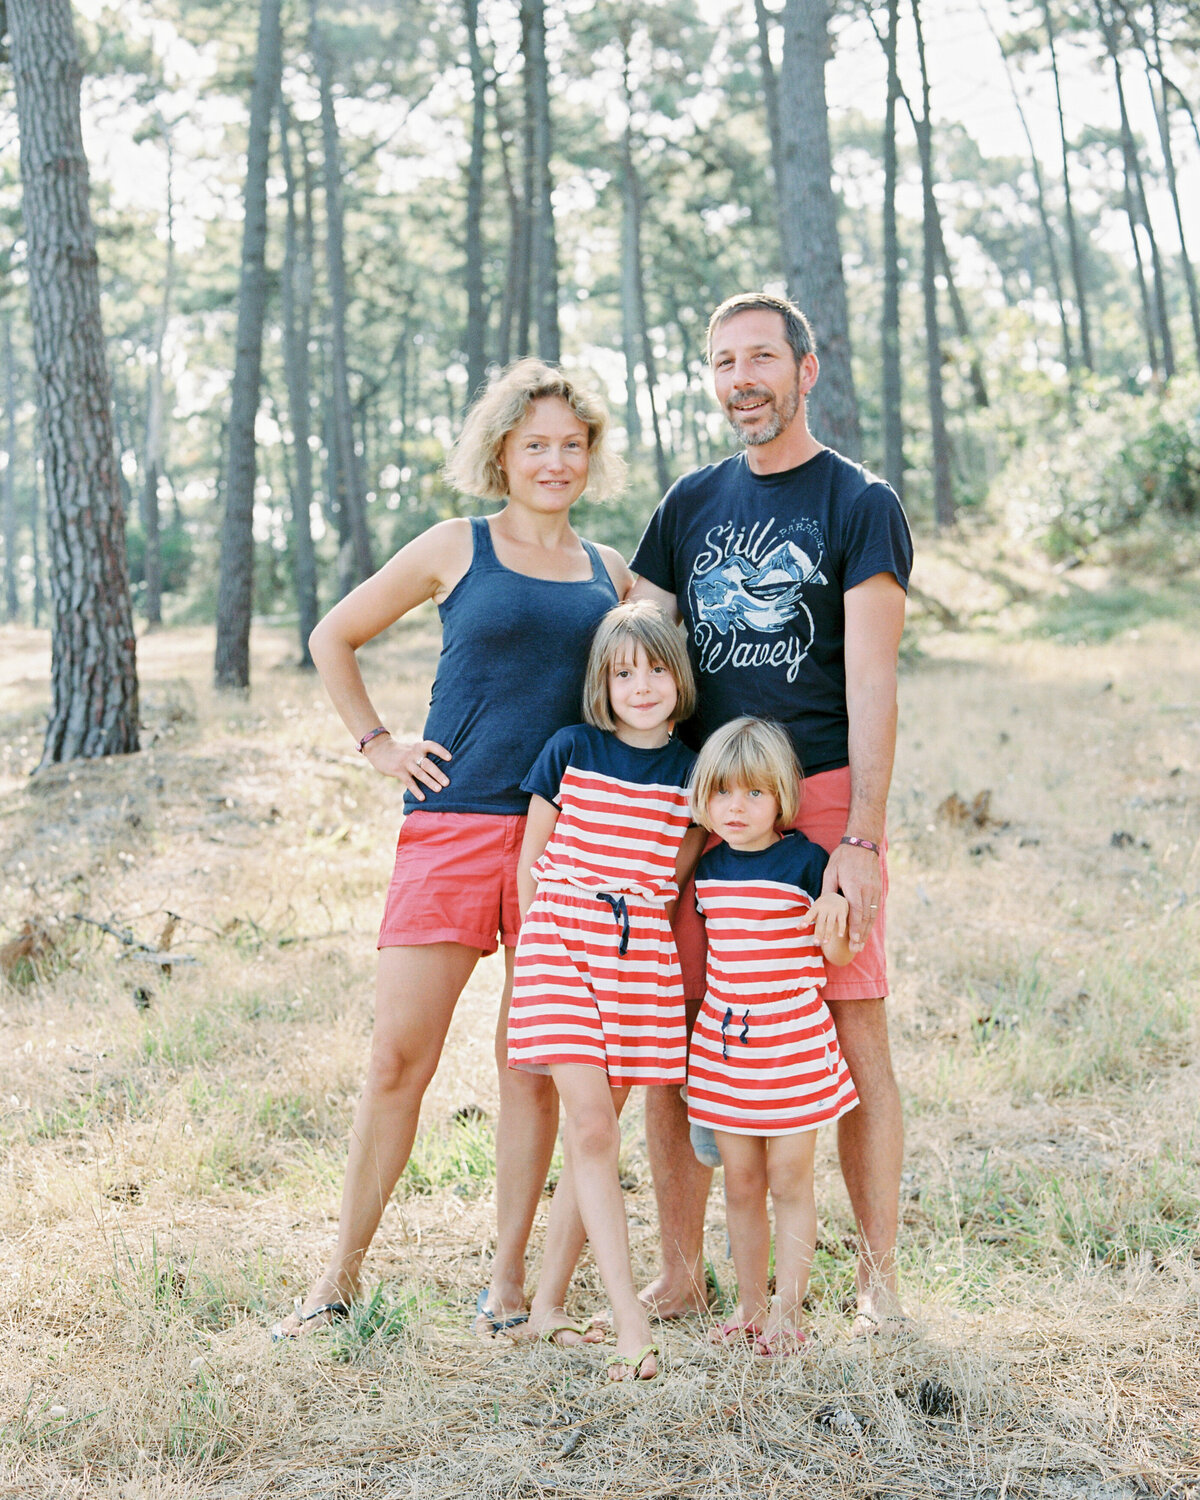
(1162, 112)
(94, 683)
(635, 322)
(943, 491)
(476, 339)
(1042, 208)
(351, 493)
(762, 21)
(155, 409)
(808, 221)
(630, 332)
(296, 288)
(513, 339)
(11, 598)
(1136, 204)
(235, 592)
(35, 554)
(543, 246)
(893, 379)
(1078, 274)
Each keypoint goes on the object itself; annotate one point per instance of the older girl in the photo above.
(598, 997)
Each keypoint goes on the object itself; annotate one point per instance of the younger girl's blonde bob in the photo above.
(474, 466)
(751, 753)
(621, 631)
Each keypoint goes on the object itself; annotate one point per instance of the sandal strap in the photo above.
(334, 1309)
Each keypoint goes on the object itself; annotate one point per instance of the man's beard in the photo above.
(784, 412)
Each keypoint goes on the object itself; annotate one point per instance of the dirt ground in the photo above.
(183, 1030)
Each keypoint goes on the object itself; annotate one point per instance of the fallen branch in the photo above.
(136, 949)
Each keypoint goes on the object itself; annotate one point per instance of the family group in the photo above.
(662, 787)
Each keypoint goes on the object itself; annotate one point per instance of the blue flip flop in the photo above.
(497, 1325)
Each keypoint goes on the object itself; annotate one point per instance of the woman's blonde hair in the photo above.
(474, 466)
(638, 623)
(751, 753)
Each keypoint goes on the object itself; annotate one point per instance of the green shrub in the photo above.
(1125, 461)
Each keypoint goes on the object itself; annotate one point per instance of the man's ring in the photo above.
(874, 906)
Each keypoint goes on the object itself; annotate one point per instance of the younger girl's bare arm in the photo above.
(830, 915)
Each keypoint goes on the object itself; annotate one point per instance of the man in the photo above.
(788, 565)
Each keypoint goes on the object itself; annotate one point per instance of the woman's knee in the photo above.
(397, 1068)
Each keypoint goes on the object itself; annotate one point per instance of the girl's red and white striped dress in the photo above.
(597, 978)
(764, 1056)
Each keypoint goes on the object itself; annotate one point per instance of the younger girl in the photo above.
(764, 1068)
(597, 994)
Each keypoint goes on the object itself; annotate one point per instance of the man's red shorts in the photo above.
(824, 807)
(455, 881)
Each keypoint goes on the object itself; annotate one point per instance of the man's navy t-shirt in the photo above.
(759, 564)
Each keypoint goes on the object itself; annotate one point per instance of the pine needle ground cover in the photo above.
(183, 1027)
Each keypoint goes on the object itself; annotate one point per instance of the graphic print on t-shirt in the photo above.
(748, 582)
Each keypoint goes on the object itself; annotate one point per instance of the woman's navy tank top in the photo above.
(514, 650)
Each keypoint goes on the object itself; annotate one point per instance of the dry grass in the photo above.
(172, 1143)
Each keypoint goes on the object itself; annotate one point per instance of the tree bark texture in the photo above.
(351, 494)
(808, 221)
(156, 436)
(11, 598)
(1043, 211)
(235, 592)
(892, 373)
(296, 289)
(630, 272)
(1136, 204)
(943, 491)
(476, 339)
(762, 21)
(513, 334)
(544, 246)
(1078, 274)
(94, 684)
(1162, 112)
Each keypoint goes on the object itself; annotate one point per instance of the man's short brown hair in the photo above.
(797, 329)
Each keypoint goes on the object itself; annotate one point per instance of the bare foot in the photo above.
(553, 1326)
(667, 1301)
(328, 1302)
(641, 1365)
(499, 1309)
(781, 1342)
(733, 1332)
(881, 1315)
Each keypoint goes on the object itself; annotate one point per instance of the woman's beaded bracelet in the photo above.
(861, 843)
(370, 735)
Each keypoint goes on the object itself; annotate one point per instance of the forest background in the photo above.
(392, 200)
(446, 188)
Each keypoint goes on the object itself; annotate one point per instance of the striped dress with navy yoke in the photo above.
(764, 1056)
(597, 978)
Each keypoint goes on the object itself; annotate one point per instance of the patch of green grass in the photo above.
(378, 1323)
(185, 1041)
(199, 1430)
(1092, 617)
(1022, 1215)
(1120, 1025)
(460, 1155)
(118, 1099)
(39, 1425)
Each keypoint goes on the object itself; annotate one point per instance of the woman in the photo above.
(519, 595)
